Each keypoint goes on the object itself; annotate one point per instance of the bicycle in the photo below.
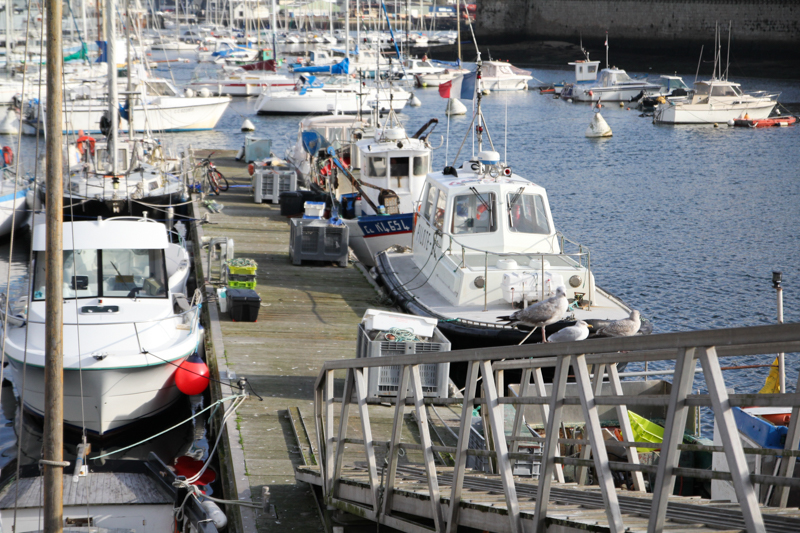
(216, 180)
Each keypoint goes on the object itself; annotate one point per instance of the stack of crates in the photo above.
(385, 380)
(317, 240)
(241, 277)
(270, 181)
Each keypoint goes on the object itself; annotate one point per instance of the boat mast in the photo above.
(458, 33)
(128, 98)
(273, 24)
(53, 437)
(113, 98)
(9, 32)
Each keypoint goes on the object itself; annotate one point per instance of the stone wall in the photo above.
(759, 23)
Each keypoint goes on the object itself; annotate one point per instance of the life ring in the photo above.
(84, 139)
(8, 155)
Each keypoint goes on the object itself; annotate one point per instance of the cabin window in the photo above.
(398, 168)
(527, 214)
(591, 69)
(474, 214)
(428, 198)
(159, 89)
(723, 90)
(107, 273)
(701, 89)
(421, 165)
(580, 70)
(376, 167)
(441, 205)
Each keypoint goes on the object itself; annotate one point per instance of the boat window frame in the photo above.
(440, 211)
(425, 164)
(427, 198)
(517, 200)
(40, 259)
(371, 167)
(476, 203)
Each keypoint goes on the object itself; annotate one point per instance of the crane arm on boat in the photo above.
(353, 180)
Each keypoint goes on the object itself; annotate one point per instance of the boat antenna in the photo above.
(697, 73)
(475, 41)
(728, 60)
(606, 49)
(505, 139)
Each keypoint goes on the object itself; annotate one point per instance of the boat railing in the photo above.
(579, 260)
(593, 363)
(189, 317)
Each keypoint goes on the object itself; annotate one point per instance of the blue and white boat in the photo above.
(13, 199)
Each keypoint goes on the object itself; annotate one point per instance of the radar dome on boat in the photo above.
(488, 157)
(394, 134)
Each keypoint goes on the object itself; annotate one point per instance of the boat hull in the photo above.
(372, 234)
(105, 400)
(9, 204)
(764, 123)
(710, 114)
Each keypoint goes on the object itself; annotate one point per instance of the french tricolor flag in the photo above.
(462, 87)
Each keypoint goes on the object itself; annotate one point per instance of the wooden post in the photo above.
(53, 441)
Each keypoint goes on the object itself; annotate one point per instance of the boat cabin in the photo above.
(672, 83)
(585, 70)
(486, 235)
(395, 162)
(705, 91)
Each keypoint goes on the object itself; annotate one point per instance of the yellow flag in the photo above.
(772, 384)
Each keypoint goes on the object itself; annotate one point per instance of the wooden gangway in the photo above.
(422, 497)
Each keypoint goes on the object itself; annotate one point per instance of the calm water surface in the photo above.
(684, 223)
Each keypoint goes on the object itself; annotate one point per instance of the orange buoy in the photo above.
(8, 155)
(251, 169)
(192, 375)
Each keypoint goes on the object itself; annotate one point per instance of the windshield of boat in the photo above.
(107, 274)
(472, 213)
(526, 214)
(159, 88)
(725, 90)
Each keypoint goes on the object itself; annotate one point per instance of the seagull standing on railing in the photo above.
(576, 332)
(540, 314)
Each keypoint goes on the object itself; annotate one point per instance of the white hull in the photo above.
(593, 94)
(685, 113)
(163, 114)
(505, 84)
(293, 103)
(173, 47)
(242, 87)
(111, 398)
(9, 202)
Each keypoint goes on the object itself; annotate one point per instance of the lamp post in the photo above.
(777, 278)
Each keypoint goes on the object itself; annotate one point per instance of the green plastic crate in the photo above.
(242, 284)
(645, 431)
(245, 271)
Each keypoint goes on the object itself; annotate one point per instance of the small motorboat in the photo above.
(746, 122)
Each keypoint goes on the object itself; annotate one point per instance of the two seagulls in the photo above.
(551, 310)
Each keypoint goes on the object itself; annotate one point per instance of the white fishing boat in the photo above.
(716, 101)
(391, 169)
(311, 100)
(614, 85)
(585, 74)
(414, 67)
(438, 78)
(127, 322)
(485, 245)
(499, 76)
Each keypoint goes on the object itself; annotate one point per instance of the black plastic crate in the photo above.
(243, 304)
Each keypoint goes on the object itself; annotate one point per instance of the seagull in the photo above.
(577, 332)
(621, 328)
(540, 314)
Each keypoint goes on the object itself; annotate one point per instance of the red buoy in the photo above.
(192, 375)
(188, 467)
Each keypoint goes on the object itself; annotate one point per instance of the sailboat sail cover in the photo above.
(313, 142)
(343, 67)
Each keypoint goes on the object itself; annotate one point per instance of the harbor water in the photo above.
(685, 224)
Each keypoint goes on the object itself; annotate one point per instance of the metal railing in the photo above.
(491, 366)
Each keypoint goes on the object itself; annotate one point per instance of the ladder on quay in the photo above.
(424, 497)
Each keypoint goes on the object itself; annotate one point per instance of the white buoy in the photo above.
(189, 93)
(730, 122)
(414, 102)
(455, 107)
(215, 514)
(486, 92)
(204, 93)
(247, 125)
(598, 127)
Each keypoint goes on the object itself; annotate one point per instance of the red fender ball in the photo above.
(192, 375)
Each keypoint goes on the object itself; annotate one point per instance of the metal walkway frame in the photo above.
(491, 364)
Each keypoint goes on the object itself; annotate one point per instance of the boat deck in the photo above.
(573, 507)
